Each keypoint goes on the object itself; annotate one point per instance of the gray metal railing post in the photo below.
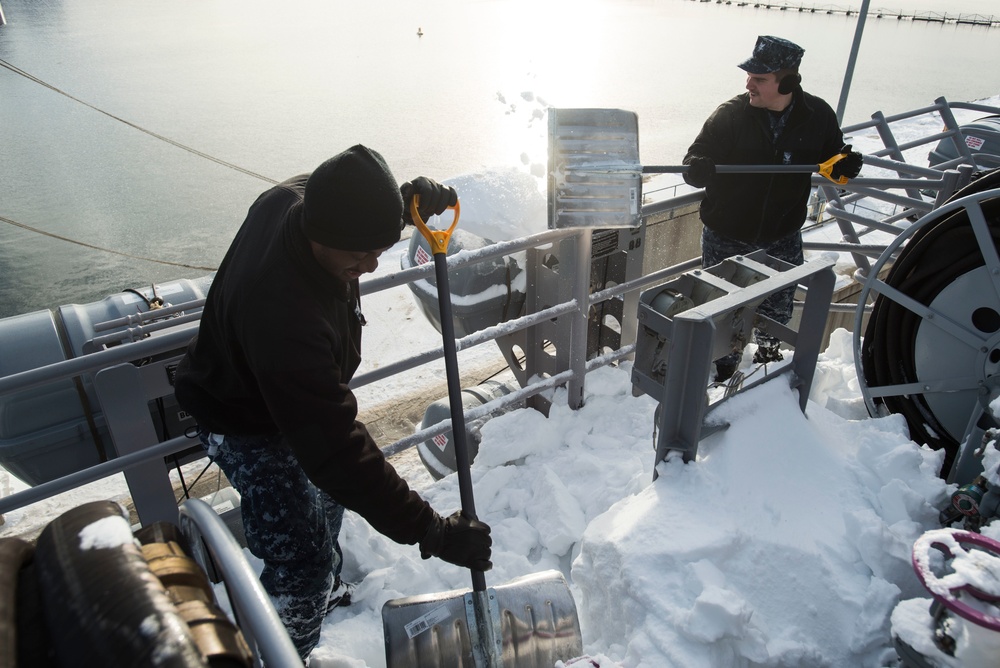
(578, 321)
(885, 132)
(957, 138)
(123, 391)
(851, 60)
(847, 231)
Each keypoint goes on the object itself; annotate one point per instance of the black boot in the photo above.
(767, 350)
(341, 595)
(724, 369)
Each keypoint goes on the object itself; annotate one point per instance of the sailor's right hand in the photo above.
(458, 540)
(435, 198)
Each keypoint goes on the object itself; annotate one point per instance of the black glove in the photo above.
(849, 165)
(434, 197)
(458, 540)
(701, 171)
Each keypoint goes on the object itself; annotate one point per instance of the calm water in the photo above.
(276, 88)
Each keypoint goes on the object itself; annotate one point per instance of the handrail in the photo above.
(144, 316)
(255, 614)
(176, 334)
(167, 342)
(91, 474)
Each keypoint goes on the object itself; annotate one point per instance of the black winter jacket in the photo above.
(761, 208)
(279, 340)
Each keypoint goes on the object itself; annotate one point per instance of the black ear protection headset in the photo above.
(789, 83)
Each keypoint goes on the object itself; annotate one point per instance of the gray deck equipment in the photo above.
(528, 622)
(595, 182)
(704, 314)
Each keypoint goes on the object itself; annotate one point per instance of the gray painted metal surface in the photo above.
(712, 312)
(215, 549)
(124, 391)
(579, 194)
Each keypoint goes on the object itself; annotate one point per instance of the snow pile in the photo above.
(786, 543)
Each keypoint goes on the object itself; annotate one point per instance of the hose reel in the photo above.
(931, 348)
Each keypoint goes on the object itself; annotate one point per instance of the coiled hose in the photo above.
(936, 255)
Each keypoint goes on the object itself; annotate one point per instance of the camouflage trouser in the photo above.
(715, 248)
(291, 525)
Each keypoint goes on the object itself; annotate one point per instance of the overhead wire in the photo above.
(101, 248)
(134, 126)
(168, 140)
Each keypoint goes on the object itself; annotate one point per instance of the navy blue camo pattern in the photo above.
(291, 525)
(715, 248)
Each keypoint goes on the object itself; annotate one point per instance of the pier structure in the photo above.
(988, 21)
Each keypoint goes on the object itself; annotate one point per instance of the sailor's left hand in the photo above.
(849, 165)
(435, 198)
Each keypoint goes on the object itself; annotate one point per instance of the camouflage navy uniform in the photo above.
(290, 524)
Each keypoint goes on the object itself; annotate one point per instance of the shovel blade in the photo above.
(538, 625)
(595, 179)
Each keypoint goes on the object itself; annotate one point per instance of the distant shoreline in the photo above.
(898, 14)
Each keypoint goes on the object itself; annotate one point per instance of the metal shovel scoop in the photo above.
(531, 621)
(595, 177)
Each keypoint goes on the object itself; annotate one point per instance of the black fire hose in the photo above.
(935, 256)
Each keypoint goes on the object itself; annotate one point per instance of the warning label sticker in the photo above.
(441, 441)
(421, 256)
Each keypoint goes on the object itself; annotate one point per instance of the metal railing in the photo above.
(859, 208)
(904, 194)
(172, 334)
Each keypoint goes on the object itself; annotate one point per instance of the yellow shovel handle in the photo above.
(438, 239)
(826, 169)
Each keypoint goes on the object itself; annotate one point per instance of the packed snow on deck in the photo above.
(788, 541)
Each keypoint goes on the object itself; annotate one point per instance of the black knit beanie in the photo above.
(352, 202)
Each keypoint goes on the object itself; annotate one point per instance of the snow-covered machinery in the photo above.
(56, 428)
(930, 352)
(959, 626)
(689, 321)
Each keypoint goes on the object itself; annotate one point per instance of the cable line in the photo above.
(179, 145)
(100, 248)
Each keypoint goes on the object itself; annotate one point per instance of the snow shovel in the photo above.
(531, 621)
(595, 178)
